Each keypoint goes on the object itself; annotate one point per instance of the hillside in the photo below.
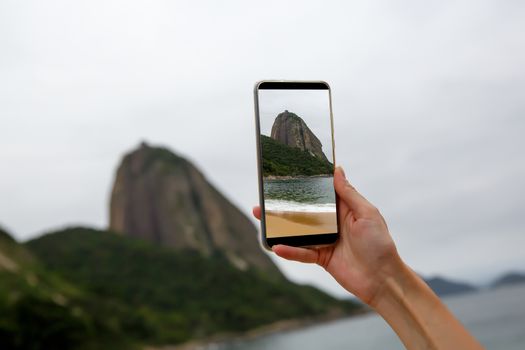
(279, 159)
(170, 296)
(40, 310)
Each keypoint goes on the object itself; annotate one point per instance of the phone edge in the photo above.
(262, 234)
(263, 238)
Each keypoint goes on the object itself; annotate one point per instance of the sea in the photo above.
(308, 194)
(496, 317)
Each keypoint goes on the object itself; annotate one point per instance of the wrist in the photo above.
(391, 282)
(402, 288)
(392, 302)
(417, 315)
(405, 301)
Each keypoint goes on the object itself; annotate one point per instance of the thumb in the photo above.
(349, 195)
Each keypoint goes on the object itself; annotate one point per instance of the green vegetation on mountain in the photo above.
(40, 310)
(279, 159)
(5, 237)
(163, 296)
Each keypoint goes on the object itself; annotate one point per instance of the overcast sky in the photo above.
(428, 100)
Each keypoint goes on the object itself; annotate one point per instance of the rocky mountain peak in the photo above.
(290, 129)
(161, 197)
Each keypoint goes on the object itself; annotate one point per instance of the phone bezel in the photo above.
(304, 240)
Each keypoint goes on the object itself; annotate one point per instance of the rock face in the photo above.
(290, 129)
(161, 197)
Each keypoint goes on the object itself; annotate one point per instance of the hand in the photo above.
(365, 255)
(365, 262)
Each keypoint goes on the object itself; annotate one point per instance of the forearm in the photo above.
(417, 315)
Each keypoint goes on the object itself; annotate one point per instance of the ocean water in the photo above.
(495, 317)
(310, 194)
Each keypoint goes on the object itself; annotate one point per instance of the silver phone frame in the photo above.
(262, 235)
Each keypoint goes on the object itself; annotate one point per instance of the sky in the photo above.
(428, 102)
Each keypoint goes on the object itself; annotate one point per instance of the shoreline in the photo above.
(292, 223)
(293, 177)
(272, 328)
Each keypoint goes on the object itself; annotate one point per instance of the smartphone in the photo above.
(295, 160)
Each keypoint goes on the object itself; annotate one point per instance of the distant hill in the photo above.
(168, 296)
(279, 159)
(442, 286)
(507, 279)
(291, 130)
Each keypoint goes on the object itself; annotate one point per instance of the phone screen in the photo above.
(296, 159)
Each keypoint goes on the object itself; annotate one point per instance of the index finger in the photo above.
(349, 195)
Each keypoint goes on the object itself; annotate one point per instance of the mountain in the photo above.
(184, 265)
(509, 278)
(442, 286)
(289, 129)
(161, 197)
(163, 295)
(279, 159)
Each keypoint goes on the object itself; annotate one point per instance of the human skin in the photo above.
(366, 263)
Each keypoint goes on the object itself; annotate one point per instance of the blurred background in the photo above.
(428, 102)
